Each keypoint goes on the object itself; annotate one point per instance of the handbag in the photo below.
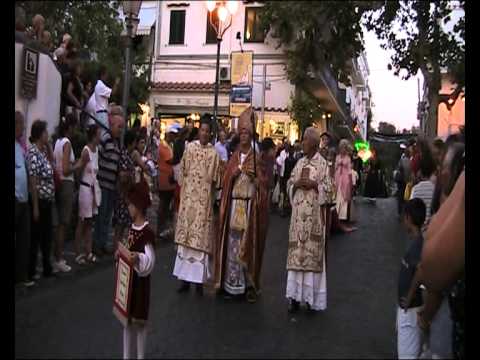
(276, 193)
(408, 191)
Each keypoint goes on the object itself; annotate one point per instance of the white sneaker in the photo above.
(29, 283)
(61, 266)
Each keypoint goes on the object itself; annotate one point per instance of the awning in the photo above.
(190, 87)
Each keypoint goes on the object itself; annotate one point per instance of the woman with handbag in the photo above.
(42, 191)
(89, 196)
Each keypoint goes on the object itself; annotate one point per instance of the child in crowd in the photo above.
(140, 244)
(409, 335)
(89, 197)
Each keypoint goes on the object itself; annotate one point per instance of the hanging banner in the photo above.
(241, 68)
(241, 75)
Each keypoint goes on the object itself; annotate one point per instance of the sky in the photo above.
(395, 99)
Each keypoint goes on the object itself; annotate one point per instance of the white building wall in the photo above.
(358, 94)
(195, 61)
(46, 106)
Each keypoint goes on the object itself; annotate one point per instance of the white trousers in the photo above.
(409, 335)
(129, 332)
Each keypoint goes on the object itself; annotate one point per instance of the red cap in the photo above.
(139, 196)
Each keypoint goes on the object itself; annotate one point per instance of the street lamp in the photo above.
(225, 11)
(131, 10)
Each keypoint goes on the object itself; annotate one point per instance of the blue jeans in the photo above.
(103, 219)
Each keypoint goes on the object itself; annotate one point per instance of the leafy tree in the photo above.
(304, 108)
(96, 28)
(315, 34)
(386, 128)
(422, 39)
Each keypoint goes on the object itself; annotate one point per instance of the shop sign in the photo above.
(29, 73)
(242, 82)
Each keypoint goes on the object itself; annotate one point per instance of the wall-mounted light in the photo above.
(211, 5)
(222, 13)
(324, 116)
(329, 115)
(232, 6)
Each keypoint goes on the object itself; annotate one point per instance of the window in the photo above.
(177, 27)
(253, 30)
(211, 34)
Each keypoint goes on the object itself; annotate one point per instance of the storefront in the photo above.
(277, 125)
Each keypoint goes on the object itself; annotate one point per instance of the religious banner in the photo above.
(241, 68)
(123, 285)
(242, 82)
(29, 73)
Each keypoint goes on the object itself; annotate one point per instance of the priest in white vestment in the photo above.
(194, 233)
(309, 187)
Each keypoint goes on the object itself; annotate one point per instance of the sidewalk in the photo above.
(77, 270)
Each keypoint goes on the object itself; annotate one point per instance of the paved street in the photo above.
(71, 316)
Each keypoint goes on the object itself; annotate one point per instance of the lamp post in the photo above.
(131, 10)
(225, 11)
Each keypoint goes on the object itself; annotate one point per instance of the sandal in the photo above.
(80, 259)
(92, 258)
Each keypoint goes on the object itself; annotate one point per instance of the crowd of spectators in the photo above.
(430, 319)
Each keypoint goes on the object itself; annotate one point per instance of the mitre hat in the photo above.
(245, 120)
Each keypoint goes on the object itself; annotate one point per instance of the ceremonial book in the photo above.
(123, 285)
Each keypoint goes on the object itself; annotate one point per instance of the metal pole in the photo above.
(215, 103)
(128, 70)
(264, 88)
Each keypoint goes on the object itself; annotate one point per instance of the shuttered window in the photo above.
(253, 30)
(211, 34)
(177, 27)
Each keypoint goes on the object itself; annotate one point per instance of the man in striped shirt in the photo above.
(108, 160)
(425, 187)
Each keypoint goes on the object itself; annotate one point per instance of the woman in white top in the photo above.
(88, 196)
(64, 166)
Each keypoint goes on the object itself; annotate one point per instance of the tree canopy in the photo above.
(96, 28)
(315, 34)
(423, 37)
(386, 128)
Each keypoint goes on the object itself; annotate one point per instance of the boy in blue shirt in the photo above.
(409, 334)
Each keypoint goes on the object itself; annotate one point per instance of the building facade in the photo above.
(184, 63)
(358, 95)
(451, 108)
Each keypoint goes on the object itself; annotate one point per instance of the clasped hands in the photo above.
(306, 184)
